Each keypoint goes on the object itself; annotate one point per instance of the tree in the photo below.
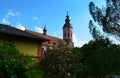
(34, 71)
(100, 59)
(61, 63)
(13, 64)
(108, 18)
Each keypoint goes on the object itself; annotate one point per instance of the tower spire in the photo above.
(67, 31)
(44, 30)
(67, 13)
(67, 20)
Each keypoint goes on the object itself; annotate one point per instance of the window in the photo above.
(54, 43)
(68, 34)
(64, 34)
(68, 29)
(49, 42)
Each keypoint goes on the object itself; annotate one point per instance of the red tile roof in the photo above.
(54, 41)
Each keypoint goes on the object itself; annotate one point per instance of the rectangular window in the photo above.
(54, 43)
(68, 34)
(68, 29)
(64, 34)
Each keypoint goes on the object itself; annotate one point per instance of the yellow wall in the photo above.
(25, 46)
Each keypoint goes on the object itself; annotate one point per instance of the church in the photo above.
(34, 43)
(54, 42)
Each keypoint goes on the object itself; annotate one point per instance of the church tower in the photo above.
(67, 31)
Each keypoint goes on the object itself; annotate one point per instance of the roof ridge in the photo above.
(7, 29)
(42, 34)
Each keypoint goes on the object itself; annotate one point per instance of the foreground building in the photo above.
(25, 42)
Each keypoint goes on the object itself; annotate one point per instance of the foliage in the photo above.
(97, 59)
(100, 59)
(61, 63)
(13, 64)
(34, 71)
(88, 49)
(108, 19)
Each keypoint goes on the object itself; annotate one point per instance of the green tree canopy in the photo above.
(13, 64)
(108, 18)
(61, 63)
(100, 59)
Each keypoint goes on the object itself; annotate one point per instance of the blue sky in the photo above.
(34, 14)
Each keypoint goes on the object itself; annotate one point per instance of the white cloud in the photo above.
(38, 29)
(17, 14)
(20, 26)
(9, 13)
(5, 21)
(36, 19)
(12, 13)
(77, 42)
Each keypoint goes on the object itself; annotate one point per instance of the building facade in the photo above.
(25, 42)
